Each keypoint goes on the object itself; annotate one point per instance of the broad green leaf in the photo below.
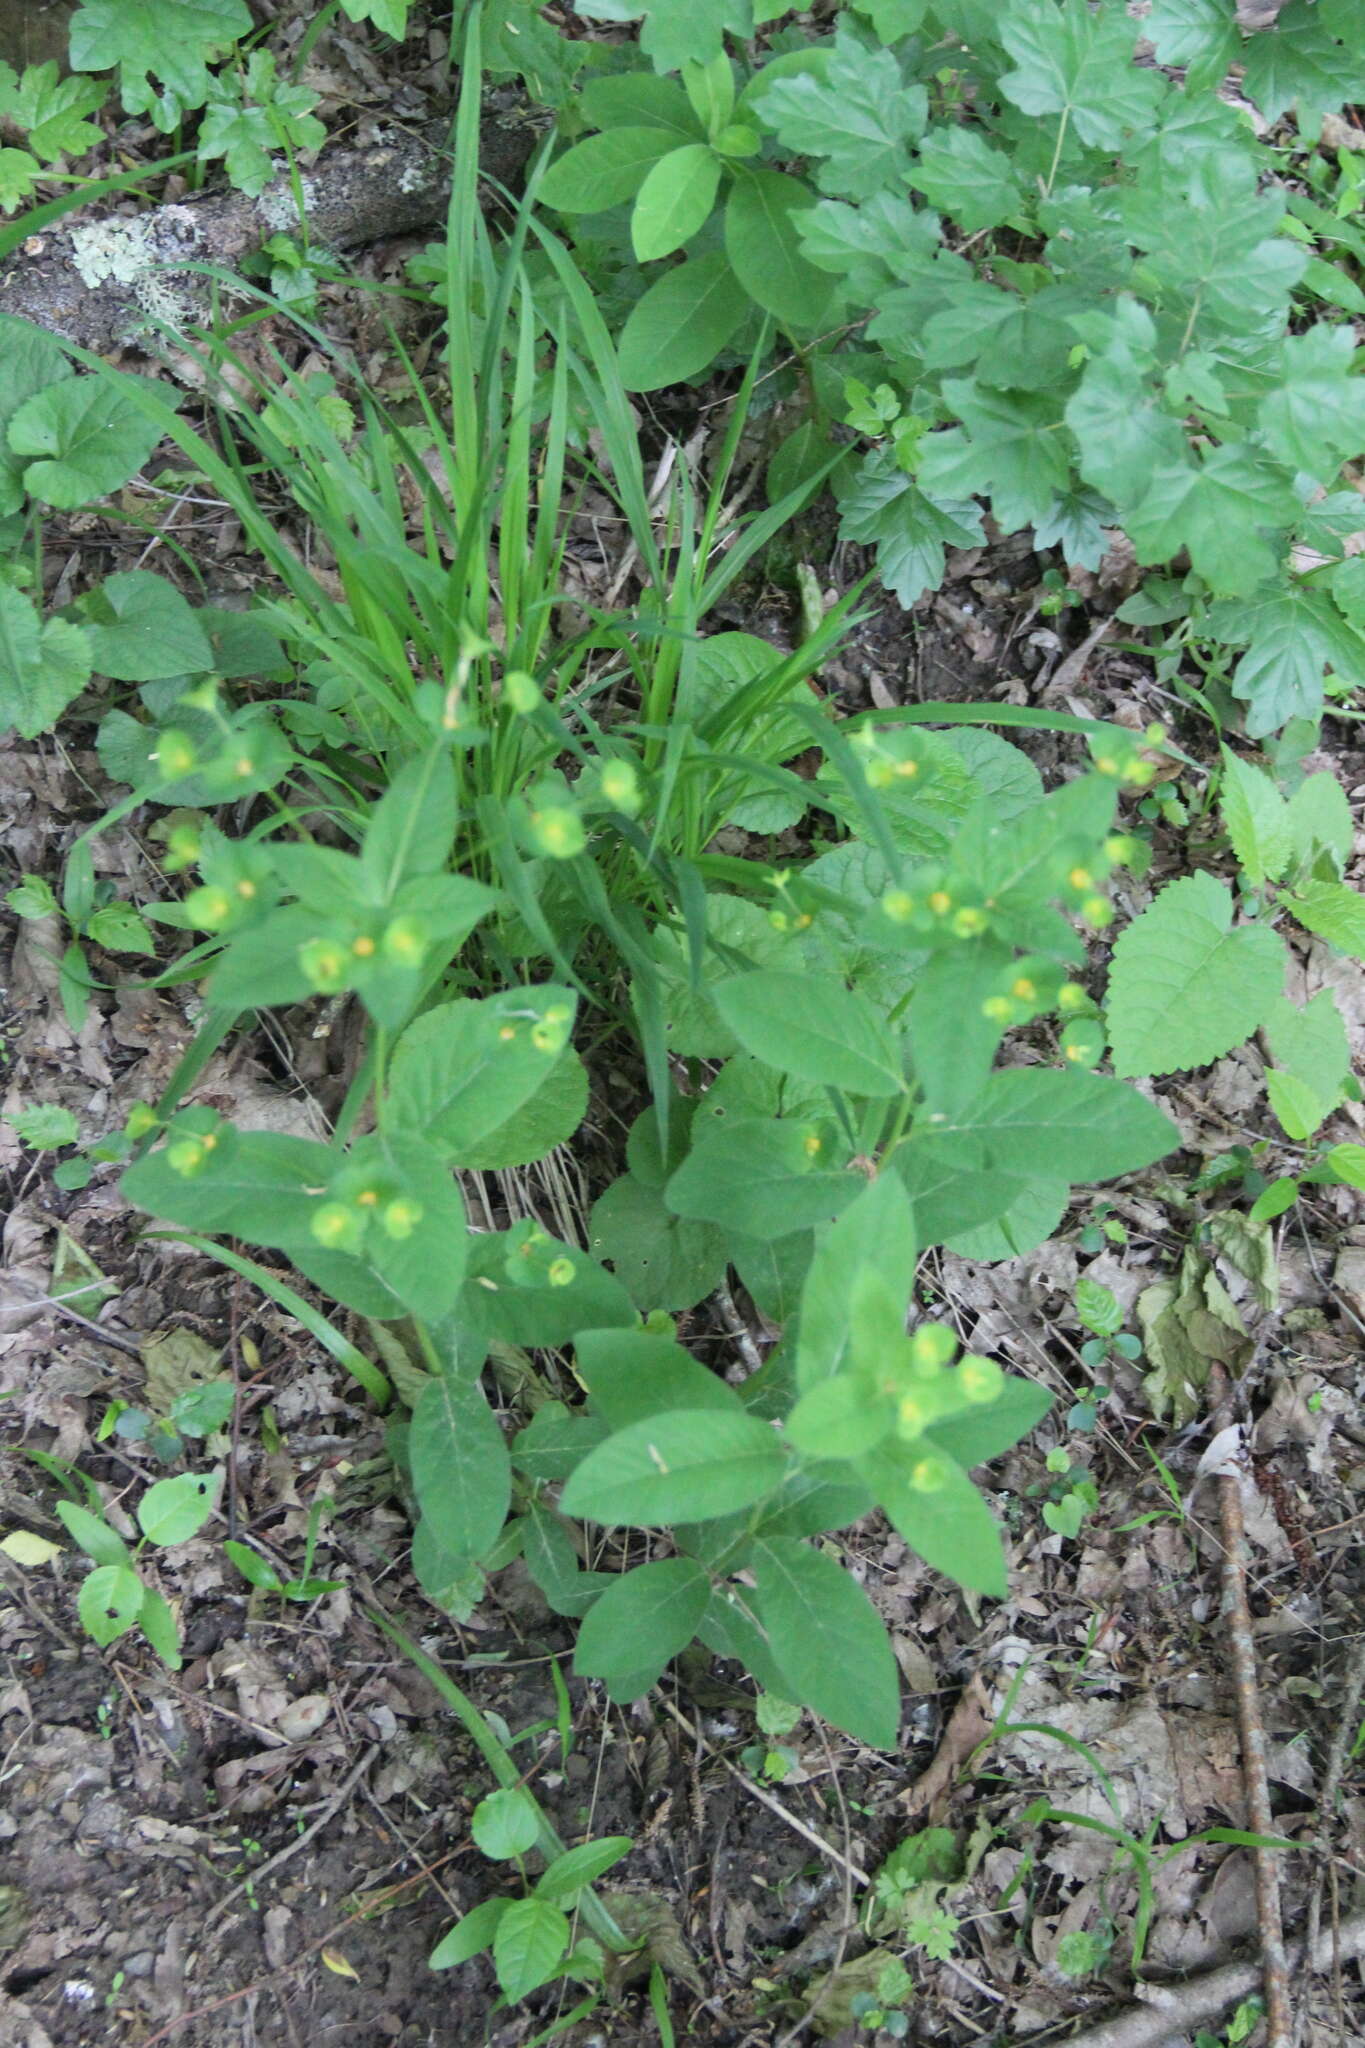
(43, 665)
(465, 1068)
(51, 111)
(470, 1935)
(505, 1823)
(1333, 910)
(1218, 510)
(640, 1622)
(932, 1503)
(526, 1288)
(173, 1510)
(1298, 1107)
(1078, 65)
(258, 1185)
(682, 323)
(1320, 818)
(548, 1118)
(1098, 1307)
(960, 174)
(686, 1466)
(80, 440)
(827, 1639)
(636, 99)
(564, 1879)
(1298, 62)
(30, 360)
(1027, 1221)
(763, 218)
(760, 1178)
(876, 1232)
(1309, 1041)
(1117, 416)
(46, 1127)
(1293, 632)
(140, 628)
(461, 1471)
(132, 35)
(884, 508)
(1185, 986)
(157, 1623)
(529, 1943)
(674, 200)
(119, 929)
(555, 1440)
(1314, 419)
(1008, 448)
(977, 1435)
(109, 1602)
(1257, 819)
(839, 1418)
(1198, 33)
(662, 1260)
(814, 1027)
(859, 114)
(453, 1582)
(633, 1374)
(19, 175)
(1348, 1164)
(1039, 1123)
(672, 36)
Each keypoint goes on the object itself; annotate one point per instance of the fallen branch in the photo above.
(104, 283)
(1170, 2009)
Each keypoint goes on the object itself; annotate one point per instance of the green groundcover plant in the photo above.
(496, 833)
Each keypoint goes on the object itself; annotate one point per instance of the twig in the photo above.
(794, 2032)
(1237, 1616)
(1331, 1782)
(282, 1856)
(846, 1863)
(737, 1329)
(1170, 2009)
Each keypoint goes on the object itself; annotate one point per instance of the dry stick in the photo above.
(282, 1856)
(1331, 1781)
(1174, 2008)
(1237, 1616)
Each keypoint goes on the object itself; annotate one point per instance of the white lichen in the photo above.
(278, 207)
(126, 252)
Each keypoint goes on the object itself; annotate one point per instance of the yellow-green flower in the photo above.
(402, 1217)
(558, 831)
(175, 754)
(208, 908)
(326, 965)
(337, 1227)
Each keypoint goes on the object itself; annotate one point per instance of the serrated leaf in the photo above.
(827, 1639)
(674, 200)
(640, 1623)
(1333, 910)
(681, 324)
(45, 1127)
(1296, 61)
(1098, 1307)
(684, 1466)
(860, 116)
(958, 171)
(51, 110)
(19, 174)
(1075, 63)
(1194, 33)
(1314, 418)
(1257, 819)
(1293, 632)
(1218, 509)
(910, 528)
(131, 34)
(43, 665)
(1008, 448)
(1185, 986)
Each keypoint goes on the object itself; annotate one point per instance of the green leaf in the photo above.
(876, 1233)
(685, 1466)
(1194, 33)
(1218, 510)
(860, 114)
(1320, 820)
(674, 200)
(80, 440)
(827, 1639)
(1038, 1123)
(141, 629)
(461, 1471)
(1310, 1042)
(565, 1878)
(43, 665)
(131, 34)
(462, 1070)
(1098, 1307)
(19, 174)
(1298, 1107)
(640, 1623)
(884, 508)
(51, 111)
(1314, 418)
(119, 929)
(636, 99)
(1078, 64)
(1257, 819)
(505, 1824)
(812, 1026)
(1294, 631)
(631, 1375)
(1298, 62)
(949, 1525)
(548, 1118)
(30, 360)
(763, 218)
(46, 1127)
(470, 1935)
(1333, 910)
(94, 1535)
(681, 324)
(759, 1177)
(529, 1943)
(959, 172)
(157, 1623)
(1184, 986)
(838, 1418)
(662, 1260)
(1008, 448)
(109, 1602)
(173, 1510)
(977, 1435)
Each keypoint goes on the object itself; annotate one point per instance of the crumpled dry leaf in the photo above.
(175, 1360)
